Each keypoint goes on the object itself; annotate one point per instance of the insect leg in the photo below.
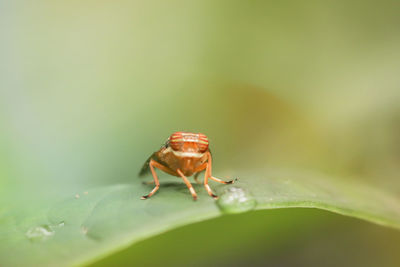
(222, 181)
(206, 175)
(188, 184)
(153, 172)
(212, 177)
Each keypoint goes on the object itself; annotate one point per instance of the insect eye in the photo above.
(176, 140)
(203, 148)
(203, 143)
(176, 145)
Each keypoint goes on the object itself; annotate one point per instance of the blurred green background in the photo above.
(89, 89)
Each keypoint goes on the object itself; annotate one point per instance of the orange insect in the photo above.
(183, 155)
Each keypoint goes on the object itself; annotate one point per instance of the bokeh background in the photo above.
(89, 89)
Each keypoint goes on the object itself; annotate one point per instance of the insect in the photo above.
(182, 155)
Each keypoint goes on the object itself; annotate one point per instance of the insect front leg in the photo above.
(153, 164)
(188, 184)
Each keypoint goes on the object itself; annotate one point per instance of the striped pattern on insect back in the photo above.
(177, 140)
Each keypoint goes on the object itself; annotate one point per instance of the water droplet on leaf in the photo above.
(39, 233)
(236, 200)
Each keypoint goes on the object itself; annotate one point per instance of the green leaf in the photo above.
(95, 223)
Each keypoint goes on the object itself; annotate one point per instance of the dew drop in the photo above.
(61, 224)
(39, 233)
(236, 200)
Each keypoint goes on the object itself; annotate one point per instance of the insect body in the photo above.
(183, 155)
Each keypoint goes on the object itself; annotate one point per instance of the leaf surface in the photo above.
(95, 223)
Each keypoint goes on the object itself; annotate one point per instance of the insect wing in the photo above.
(146, 167)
